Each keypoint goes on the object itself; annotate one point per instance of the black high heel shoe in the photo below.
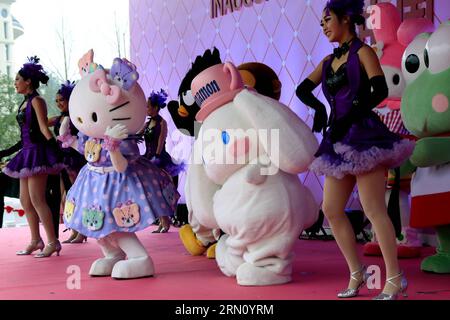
(162, 229)
(164, 225)
(80, 238)
(72, 237)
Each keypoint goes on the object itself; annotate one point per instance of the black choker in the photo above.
(28, 96)
(340, 51)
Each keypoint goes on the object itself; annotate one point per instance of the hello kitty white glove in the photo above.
(65, 126)
(114, 136)
(118, 132)
(64, 133)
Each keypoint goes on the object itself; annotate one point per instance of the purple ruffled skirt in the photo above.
(73, 160)
(367, 145)
(34, 159)
(166, 163)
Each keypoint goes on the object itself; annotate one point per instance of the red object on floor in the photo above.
(319, 273)
(372, 249)
(405, 252)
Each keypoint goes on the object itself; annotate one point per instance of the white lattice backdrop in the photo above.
(166, 35)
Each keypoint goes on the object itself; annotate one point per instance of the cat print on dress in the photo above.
(126, 216)
(93, 219)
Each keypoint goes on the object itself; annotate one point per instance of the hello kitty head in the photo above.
(99, 101)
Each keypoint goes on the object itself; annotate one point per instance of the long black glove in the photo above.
(379, 92)
(304, 93)
(11, 150)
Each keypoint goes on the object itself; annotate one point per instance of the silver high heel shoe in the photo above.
(394, 296)
(49, 249)
(33, 246)
(350, 293)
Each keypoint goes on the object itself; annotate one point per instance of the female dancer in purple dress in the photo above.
(155, 134)
(357, 147)
(36, 160)
(73, 160)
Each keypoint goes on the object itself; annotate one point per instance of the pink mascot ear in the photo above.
(411, 28)
(113, 93)
(97, 79)
(386, 33)
(99, 83)
(236, 79)
(389, 23)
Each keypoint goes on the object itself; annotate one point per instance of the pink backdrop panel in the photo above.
(167, 35)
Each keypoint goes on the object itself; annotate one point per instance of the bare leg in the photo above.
(371, 193)
(72, 176)
(36, 188)
(63, 195)
(164, 224)
(336, 195)
(31, 214)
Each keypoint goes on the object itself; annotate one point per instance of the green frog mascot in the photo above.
(426, 114)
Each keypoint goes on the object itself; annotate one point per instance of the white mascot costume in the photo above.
(243, 177)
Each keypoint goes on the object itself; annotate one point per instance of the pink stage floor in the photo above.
(319, 272)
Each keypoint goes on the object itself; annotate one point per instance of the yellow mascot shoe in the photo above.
(211, 252)
(190, 241)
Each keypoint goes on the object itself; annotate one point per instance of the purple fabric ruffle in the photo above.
(353, 162)
(174, 169)
(27, 172)
(34, 159)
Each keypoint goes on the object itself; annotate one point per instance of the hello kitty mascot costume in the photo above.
(392, 38)
(118, 192)
(243, 177)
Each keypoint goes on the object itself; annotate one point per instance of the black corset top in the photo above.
(336, 79)
(20, 117)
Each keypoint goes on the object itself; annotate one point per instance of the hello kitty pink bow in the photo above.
(99, 83)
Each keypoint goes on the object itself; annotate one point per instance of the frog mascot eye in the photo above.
(437, 51)
(413, 61)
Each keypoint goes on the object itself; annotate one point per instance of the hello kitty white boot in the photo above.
(138, 264)
(103, 267)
